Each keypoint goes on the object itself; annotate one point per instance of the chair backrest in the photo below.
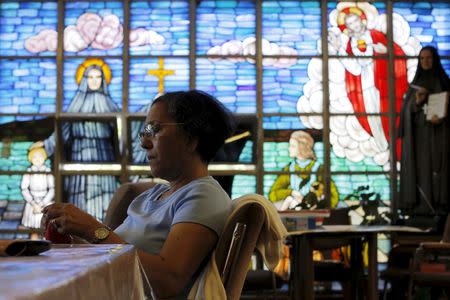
(233, 251)
(236, 246)
(117, 209)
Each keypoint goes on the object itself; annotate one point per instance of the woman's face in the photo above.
(426, 59)
(94, 79)
(167, 151)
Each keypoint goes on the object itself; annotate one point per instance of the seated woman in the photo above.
(176, 226)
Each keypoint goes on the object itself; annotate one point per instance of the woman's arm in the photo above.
(186, 246)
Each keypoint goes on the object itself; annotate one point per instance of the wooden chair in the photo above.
(236, 246)
(400, 262)
(431, 266)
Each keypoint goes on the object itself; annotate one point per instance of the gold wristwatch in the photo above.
(100, 234)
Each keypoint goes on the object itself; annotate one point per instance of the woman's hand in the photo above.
(69, 219)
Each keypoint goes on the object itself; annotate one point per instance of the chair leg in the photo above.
(274, 286)
(346, 290)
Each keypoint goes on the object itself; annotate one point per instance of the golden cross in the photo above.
(161, 73)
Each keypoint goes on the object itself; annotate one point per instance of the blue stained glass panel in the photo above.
(93, 28)
(232, 81)
(91, 193)
(159, 28)
(283, 85)
(225, 25)
(428, 22)
(138, 154)
(27, 86)
(283, 122)
(14, 157)
(144, 87)
(242, 185)
(10, 210)
(292, 24)
(28, 28)
(446, 65)
(72, 88)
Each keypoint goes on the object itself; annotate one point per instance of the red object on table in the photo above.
(55, 237)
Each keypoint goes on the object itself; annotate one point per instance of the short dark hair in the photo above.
(203, 117)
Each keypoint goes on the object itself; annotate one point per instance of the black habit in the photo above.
(424, 181)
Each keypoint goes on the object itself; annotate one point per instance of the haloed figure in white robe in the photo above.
(38, 190)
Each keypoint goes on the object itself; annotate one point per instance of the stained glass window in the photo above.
(226, 27)
(232, 82)
(93, 28)
(159, 28)
(151, 76)
(290, 27)
(274, 67)
(28, 28)
(28, 86)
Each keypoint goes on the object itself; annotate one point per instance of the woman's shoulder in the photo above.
(207, 183)
(205, 187)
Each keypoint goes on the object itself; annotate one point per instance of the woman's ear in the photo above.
(192, 144)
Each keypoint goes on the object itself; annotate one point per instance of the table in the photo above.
(302, 272)
(73, 272)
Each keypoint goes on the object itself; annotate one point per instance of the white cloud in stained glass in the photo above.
(93, 28)
(247, 47)
(341, 164)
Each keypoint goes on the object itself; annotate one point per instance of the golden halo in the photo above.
(350, 10)
(93, 61)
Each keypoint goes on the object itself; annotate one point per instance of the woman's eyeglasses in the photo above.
(150, 130)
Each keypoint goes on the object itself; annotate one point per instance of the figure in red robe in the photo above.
(366, 75)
